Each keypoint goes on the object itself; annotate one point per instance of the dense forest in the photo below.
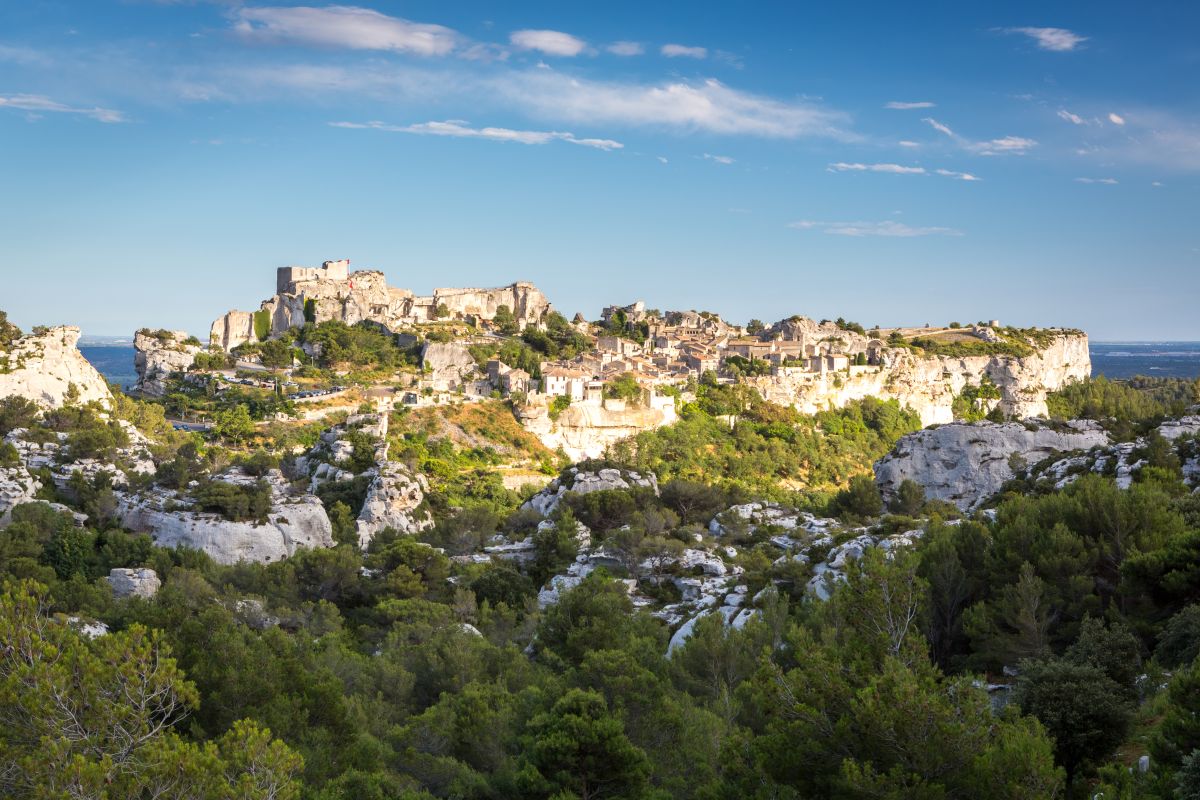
(403, 672)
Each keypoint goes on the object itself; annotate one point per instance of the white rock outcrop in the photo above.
(141, 582)
(577, 481)
(965, 463)
(448, 365)
(586, 430)
(17, 487)
(158, 354)
(394, 501)
(294, 521)
(43, 366)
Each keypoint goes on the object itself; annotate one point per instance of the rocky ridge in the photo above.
(44, 365)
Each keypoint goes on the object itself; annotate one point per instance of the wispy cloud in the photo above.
(683, 51)
(709, 106)
(962, 176)
(1058, 40)
(1109, 181)
(552, 43)
(345, 27)
(626, 48)
(1074, 119)
(459, 129)
(885, 228)
(718, 159)
(895, 169)
(1006, 145)
(40, 104)
(939, 127)
(907, 143)
(899, 105)
(1115, 118)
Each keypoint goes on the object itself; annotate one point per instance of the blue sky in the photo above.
(1035, 162)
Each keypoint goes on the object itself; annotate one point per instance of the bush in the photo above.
(262, 324)
(234, 502)
(558, 405)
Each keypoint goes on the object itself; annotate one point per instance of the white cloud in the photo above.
(679, 50)
(898, 105)
(885, 228)
(344, 26)
(962, 176)
(1116, 119)
(907, 143)
(1006, 145)
(1156, 183)
(937, 126)
(662, 159)
(709, 106)
(39, 104)
(1058, 40)
(895, 169)
(460, 129)
(552, 43)
(626, 48)
(1109, 181)
(1074, 119)
(718, 159)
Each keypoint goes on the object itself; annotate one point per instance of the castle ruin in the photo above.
(333, 292)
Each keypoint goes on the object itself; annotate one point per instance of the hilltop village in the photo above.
(623, 372)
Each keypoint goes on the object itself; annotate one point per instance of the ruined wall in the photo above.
(332, 293)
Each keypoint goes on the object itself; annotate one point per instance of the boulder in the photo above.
(142, 582)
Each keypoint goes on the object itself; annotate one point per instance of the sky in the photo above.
(890, 163)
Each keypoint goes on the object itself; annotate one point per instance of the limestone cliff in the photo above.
(157, 354)
(585, 430)
(965, 463)
(929, 384)
(332, 292)
(45, 364)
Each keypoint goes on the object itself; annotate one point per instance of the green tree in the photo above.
(233, 424)
(579, 747)
(504, 321)
(16, 412)
(92, 718)
(1083, 709)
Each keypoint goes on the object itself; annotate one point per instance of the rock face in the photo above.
(449, 365)
(17, 487)
(577, 481)
(393, 501)
(134, 583)
(585, 430)
(332, 292)
(294, 521)
(157, 354)
(929, 384)
(44, 365)
(965, 463)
